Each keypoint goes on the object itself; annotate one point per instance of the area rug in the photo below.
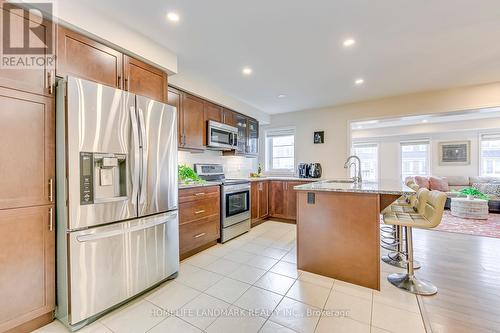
(487, 228)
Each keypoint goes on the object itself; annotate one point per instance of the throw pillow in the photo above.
(439, 184)
(487, 188)
(422, 181)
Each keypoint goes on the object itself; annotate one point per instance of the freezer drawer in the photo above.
(112, 263)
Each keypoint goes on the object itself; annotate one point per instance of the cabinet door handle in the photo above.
(127, 84)
(50, 82)
(51, 219)
(199, 194)
(199, 211)
(200, 235)
(51, 190)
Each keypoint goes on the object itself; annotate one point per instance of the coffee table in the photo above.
(469, 208)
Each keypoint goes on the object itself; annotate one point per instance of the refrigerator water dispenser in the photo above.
(102, 177)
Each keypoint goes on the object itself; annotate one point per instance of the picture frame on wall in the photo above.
(319, 137)
(454, 153)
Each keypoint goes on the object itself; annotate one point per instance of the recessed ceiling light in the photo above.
(425, 120)
(247, 71)
(349, 42)
(359, 82)
(174, 17)
(281, 96)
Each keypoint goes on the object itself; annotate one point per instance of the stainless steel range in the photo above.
(235, 201)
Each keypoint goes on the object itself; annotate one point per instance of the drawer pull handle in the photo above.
(198, 194)
(200, 235)
(199, 211)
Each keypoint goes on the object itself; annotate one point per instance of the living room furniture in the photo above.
(456, 183)
(469, 208)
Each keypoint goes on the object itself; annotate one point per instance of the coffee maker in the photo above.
(303, 170)
(314, 170)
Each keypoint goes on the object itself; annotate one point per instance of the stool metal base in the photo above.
(412, 284)
(396, 259)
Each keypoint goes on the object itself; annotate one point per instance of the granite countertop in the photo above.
(258, 179)
(381, 187)
(192, 185)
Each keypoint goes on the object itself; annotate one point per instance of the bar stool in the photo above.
(389, 236)
(398, 257)
(430, 218)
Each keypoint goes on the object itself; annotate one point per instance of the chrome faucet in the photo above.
(357, 179)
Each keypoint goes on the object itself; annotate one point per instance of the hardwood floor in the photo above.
(466, 270)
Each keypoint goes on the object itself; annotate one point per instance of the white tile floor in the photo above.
(251, 284)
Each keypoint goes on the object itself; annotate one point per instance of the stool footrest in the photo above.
(412, 284)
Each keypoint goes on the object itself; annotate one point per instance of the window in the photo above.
(368, 153)
(490, 155)
(280, 148)
(415, 159)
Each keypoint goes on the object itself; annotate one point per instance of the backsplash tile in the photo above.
(234, 166)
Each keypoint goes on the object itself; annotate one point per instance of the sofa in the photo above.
(451, 184)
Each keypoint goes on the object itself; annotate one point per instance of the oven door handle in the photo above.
(240, 190)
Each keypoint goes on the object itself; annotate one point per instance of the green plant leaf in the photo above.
(187, 174)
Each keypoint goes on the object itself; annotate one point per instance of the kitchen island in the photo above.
(338, 231)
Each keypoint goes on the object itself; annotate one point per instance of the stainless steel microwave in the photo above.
(221, 136)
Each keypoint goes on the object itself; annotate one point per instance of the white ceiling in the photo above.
(295, 47)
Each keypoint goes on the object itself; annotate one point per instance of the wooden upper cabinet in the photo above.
(83, 57)
(252, 137)
(174, 99)
(229, 117)
(27, 259)
(27, 124)
(193, 122)
(277, 198)
(241, 125)
(143, 79)
(212, 112)
(34, 80)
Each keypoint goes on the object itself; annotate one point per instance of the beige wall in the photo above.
(335, 120)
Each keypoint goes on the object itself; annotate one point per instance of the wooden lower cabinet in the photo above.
(199, 222)
(277, 199)
(283, 198)
(27, 266)
(259, 201)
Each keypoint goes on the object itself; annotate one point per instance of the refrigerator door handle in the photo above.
(136, 152)
(107, 234)
(144, 161)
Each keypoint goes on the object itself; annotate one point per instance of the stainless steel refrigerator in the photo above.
(117, 222)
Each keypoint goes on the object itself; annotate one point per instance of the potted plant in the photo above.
(187, 175)
(472, 193)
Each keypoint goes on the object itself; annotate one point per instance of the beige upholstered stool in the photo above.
(390, 232)
(430, 218)
(398, 257)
